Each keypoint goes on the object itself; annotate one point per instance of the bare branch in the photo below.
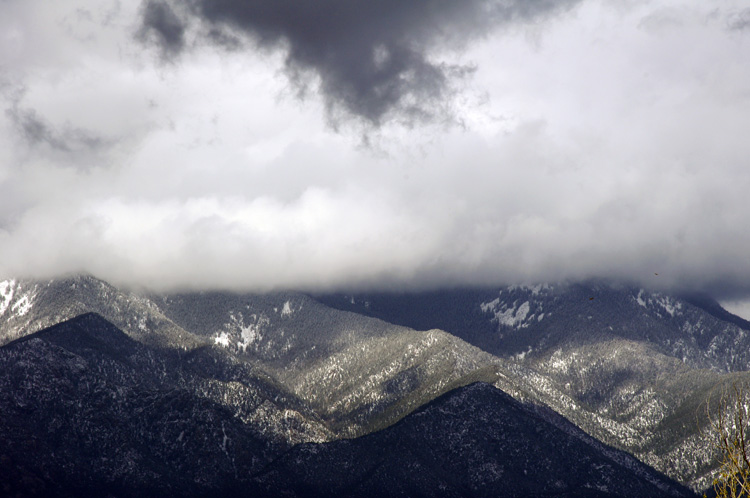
(729, 424)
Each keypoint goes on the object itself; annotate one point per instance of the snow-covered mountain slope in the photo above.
(28, 306)
(358, 373)
(525, 321)
(636, 399)
(632, 368)
(475, 441)
(626, 366)
(88, 411)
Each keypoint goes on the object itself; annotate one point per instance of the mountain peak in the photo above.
(88, 332)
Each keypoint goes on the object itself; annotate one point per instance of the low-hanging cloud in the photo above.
(374, 60)
(598, 151)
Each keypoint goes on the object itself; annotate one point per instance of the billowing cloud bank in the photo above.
(373, 60)
(165, 144)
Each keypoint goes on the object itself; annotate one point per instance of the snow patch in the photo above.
(242, 335)
(537, 289)
(512, 317)
(522, 355)
(22, 306)
(491, 306)
(287, 309)
(6, 294)
(639, 299)
(508, 316)
(670, 305)
(252, 332)
(222, 339)
(558, 362)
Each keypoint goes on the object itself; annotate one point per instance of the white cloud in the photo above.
(606, 142)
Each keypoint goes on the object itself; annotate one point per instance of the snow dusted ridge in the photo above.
(523, 306)
(10, 289)
(535, 290)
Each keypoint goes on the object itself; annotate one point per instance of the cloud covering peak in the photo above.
(162, 144)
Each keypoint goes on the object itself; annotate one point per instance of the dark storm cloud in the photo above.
(161, 26)
(373, 59)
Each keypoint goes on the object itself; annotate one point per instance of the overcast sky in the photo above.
(263, 144)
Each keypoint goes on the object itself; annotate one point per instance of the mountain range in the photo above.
(469, 392)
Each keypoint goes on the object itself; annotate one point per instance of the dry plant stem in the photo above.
(733, 480)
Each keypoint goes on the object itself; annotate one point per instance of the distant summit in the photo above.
(533, 320)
